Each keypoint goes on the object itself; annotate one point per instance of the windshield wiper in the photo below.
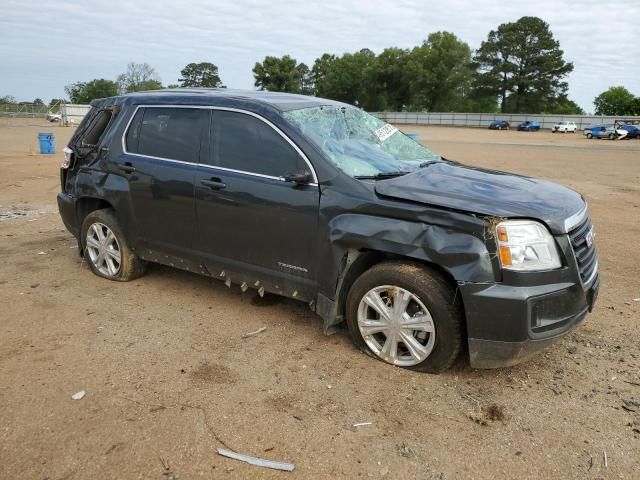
(381, 176)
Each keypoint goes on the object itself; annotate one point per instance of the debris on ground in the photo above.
(259, 462)
(606, 460)
(34, 285)
(167, 473)
(495, 413)
(79, 395)
(253, 334)
(361, 424)
(406, 451)
(630, 405)
(42, 253)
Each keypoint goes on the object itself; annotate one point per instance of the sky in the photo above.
(45, 44)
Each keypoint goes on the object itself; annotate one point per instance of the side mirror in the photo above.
(299, 178)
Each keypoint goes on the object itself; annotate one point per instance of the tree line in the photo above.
(519, 68)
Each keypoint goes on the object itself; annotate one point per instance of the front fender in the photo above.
(463, 255)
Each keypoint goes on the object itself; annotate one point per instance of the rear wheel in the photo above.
(611, 136)
(405, 314)
(589, 135)
(106, 249)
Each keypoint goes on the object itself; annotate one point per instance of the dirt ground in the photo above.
(169, 378)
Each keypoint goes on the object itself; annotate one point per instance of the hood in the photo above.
(486, 192)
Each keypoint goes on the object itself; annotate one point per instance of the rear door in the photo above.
(161, 152)
(250, 219)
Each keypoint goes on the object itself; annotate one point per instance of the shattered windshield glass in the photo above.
(360, 144)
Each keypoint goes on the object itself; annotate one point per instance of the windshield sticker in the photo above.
(385, 132)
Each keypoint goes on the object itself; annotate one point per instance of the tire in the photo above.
(611, 136)
(108, 256)
(438, 336)
(589, 135)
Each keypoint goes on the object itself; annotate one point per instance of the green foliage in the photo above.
(85, 92)
(563, 106)
(8, 99)
(346, 78)
(138, 77)
(282, 74)
(440, 73)
(202, 74)
(56, 101)
(38, 101)
(617, 101)
(523, 64)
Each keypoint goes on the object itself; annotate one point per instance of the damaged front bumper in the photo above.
(508, 324)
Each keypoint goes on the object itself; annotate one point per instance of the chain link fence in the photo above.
(483, 120)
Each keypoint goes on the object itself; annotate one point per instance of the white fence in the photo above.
(484, 119)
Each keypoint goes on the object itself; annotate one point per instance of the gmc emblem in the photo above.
(590, 237)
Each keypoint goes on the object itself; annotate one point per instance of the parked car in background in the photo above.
(564, 127)
(633, 131)
(317, 200)
(499, 125)
(54, 117)
(607, 131)
(529, 126)
(588, 130)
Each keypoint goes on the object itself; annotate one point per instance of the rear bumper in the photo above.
(67, 209)
(506, 325)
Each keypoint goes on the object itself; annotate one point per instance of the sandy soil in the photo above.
(169, 378)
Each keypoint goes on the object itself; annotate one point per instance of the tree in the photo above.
(56, 101)
(441, 73)
(616, 101)
(38, 101)
(203, 74)
(279, 74)
(388, 82)
(563, 106)
(85, 92)
(523, 62)
(306, 80)
(7, 99)
(138, 77)
(345, 78)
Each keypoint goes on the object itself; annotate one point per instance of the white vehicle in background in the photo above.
(54, 117)
(564, 127)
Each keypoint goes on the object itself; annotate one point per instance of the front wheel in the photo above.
(405, 314)
(589, 135)
(106, 249)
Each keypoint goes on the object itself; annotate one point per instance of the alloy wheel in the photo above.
(396, 325)
(103, 249)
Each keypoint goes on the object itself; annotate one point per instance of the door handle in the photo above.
(214, 184)
(127, 167)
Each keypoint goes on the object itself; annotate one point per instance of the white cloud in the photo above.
(45, 45)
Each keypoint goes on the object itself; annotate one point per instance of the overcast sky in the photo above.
(45, 45)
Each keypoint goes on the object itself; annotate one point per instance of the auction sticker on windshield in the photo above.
(385, 132)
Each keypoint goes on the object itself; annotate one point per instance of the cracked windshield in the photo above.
(360, 144)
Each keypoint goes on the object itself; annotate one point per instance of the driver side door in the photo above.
(251, 220)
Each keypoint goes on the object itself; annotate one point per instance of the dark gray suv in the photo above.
(321, 202)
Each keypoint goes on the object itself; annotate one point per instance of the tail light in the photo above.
(68, 155)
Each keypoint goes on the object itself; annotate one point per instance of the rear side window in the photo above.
(96, 128)
(243, 142)
(171, 133)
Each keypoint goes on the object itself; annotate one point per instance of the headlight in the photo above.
(525, 245)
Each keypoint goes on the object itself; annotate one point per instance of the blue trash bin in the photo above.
(47, 143)
(414, 136)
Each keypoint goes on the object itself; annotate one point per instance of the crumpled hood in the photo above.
(487, 192)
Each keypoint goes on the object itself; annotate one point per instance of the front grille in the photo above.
(585, 254)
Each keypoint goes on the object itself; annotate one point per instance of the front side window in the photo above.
(245, 143)
(360, 144)
(171, 133)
